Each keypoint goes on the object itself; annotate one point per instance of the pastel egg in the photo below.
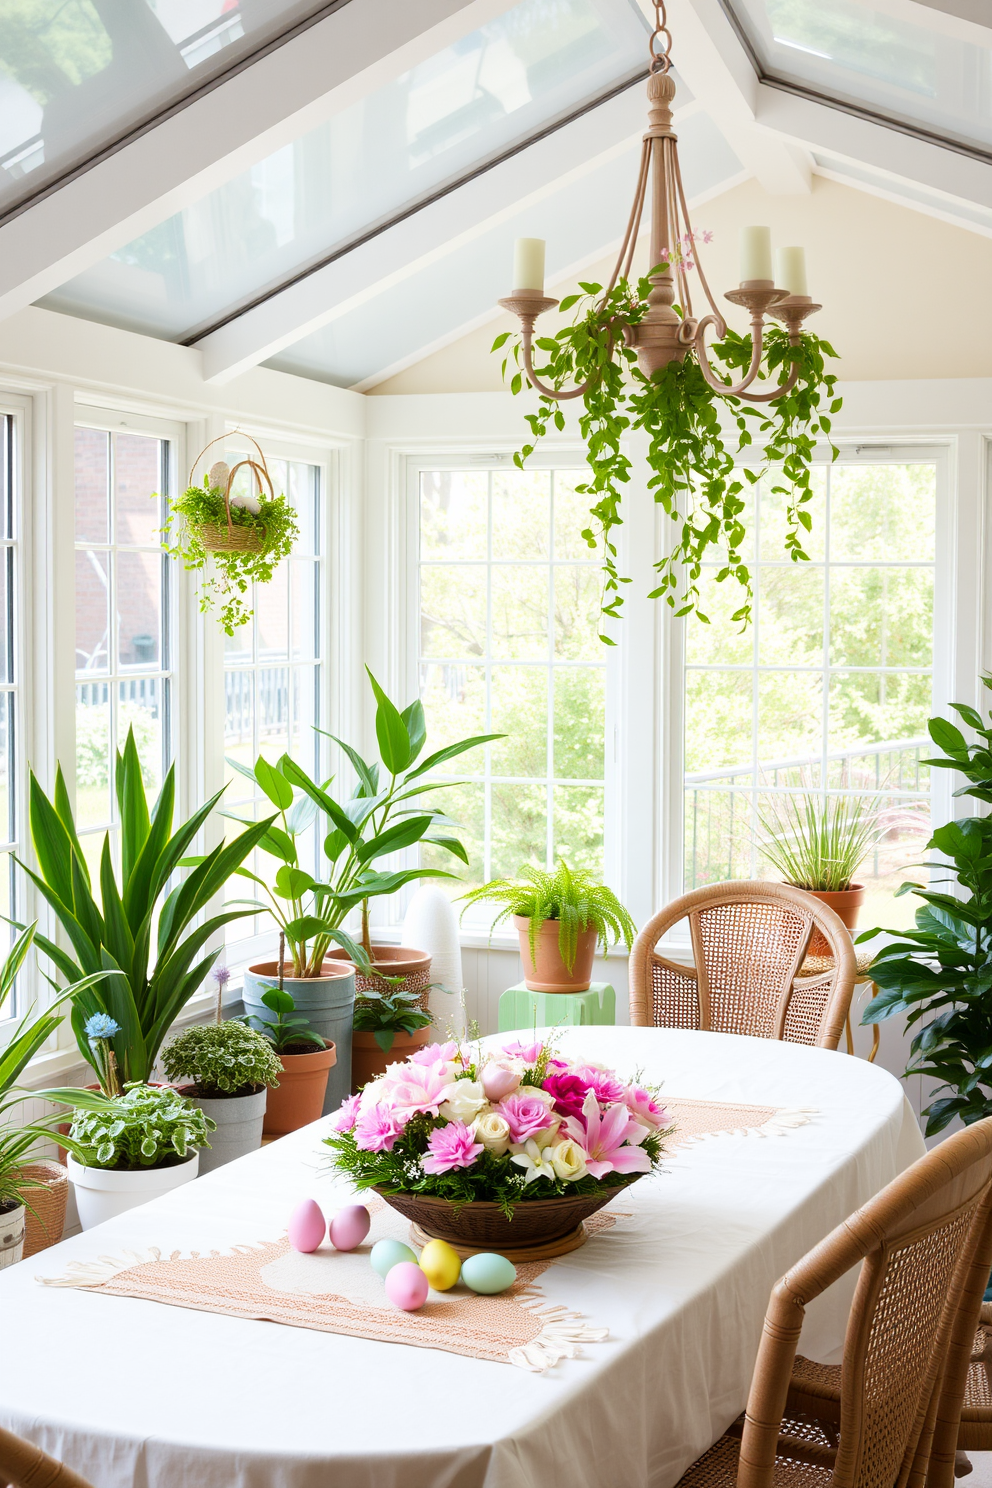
(389, 1253)
(349, 1228)
(306, 1226)
(440, 1264)
(488, 1273)
(498, 1082)
(406, 1286)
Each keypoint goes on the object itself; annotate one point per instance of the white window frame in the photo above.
(21, 411)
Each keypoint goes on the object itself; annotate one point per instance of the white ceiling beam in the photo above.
(430, 234)
(708, 55)
(265, 106)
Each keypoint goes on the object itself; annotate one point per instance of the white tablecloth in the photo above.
(135, 1393)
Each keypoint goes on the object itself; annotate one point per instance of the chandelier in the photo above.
(666, 334)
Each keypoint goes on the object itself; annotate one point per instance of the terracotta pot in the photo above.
(549, 972)
(299, 1097)
(845, 903)
(539, 1227)
(368, 1060)
(395, 961)
(328, 1004)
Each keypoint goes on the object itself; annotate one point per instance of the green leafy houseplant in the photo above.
(384, 1015)
(287, 1034)
(382, 816)
(817, 842)
(146, 1127)
(940, 973)
(222, 1059)
(153, 981)
(691, 455)
(569, 895)
(245, 543)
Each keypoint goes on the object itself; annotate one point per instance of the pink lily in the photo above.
(611, 1141)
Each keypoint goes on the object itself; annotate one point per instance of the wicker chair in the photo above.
(749, 940)
(23, 1465)
(926, 1243)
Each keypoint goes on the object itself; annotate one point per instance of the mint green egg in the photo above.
(488, 1273)
(388, 1253)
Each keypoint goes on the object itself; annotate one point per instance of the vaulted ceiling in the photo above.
(334, 189)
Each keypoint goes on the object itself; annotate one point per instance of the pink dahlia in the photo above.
(376, 1129)
(450, 1147)
(433, 1053)
(346, 1115)
(569, 1093)
(603, 1083)
(525, 1115)
(410, 1088)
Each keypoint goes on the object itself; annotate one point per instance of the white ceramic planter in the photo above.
(239, 1126)
(102, 1193)
(11, 1236)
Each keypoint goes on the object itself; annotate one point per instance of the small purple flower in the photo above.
(450, 1147)
(222, 975)
(525, 1115)
(376, 1129)
(346, 1115)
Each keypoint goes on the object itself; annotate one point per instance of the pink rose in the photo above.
(498, 1081)
(525, 1115)
(569, 1093)
(451, 1146)
(346, 1115)
(376, 1129)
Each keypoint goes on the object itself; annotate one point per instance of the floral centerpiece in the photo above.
(509, 1149)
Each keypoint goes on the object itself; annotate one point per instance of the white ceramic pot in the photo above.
(102, 1193)
(239, 1126)
(11, 1236)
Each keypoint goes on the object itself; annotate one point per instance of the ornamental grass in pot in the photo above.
(559, 917)
(389, 1027)
(128, 1150)
(230, 1068)
(305, 1060)
(509, 1149)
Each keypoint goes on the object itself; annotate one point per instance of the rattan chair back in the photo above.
(925, 1244)
(23, 1465)
(749, 939)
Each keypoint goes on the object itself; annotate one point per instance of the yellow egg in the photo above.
(440, 1264)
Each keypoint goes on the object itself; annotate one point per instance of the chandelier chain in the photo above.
(660, 46)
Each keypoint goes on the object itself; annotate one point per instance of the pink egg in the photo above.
(407, 1286)
(349, 1228)
(306, 1226)
(498, 1082)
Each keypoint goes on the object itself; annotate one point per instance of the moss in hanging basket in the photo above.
(247, 552)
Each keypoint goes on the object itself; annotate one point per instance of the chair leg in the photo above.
(962, 1464)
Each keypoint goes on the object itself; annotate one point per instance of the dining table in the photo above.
(139, 1393)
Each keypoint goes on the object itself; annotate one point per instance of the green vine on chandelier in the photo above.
(696, 476)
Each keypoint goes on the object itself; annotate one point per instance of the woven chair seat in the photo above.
(717, 1468)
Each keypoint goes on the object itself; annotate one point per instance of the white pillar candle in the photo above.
(756, 253)
(791, 273)
(528, 264)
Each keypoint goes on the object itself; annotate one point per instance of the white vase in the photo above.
(102, 1193)
(432, 925)
(239, 1126)
(11, 1236)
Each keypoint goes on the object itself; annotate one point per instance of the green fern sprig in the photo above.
(572, 896)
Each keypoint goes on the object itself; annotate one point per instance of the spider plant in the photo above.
(572, 896)
(818, 842)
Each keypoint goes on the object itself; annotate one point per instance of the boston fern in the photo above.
(569, 895)
(940, 973)
(692, 458)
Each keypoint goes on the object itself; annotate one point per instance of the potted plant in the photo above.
(377, 820)
(507, 1151)
(389, 1026)
(818, 843)
(940, 973)
(146, 991)
(131, 1149)
(559, 916)
(246, 535)
(230, 1068)
(305, 1060)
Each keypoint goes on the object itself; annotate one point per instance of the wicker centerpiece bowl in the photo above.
(539, 1229)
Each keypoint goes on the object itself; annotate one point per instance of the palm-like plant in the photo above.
(572, 896)
(117, 934)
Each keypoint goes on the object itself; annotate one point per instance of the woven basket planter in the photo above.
(217, 539)
(539, 1229)
(45, 1218)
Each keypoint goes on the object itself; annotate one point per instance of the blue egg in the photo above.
(388, 1253)
(488, 1273)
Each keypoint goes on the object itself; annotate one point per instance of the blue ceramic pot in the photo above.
(327, 1002)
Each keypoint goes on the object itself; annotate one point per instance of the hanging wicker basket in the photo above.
(234, 538)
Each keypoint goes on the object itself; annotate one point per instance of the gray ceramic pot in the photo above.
(239, 1126)
(327, 1002)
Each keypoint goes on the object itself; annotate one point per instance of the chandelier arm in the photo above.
(696, 255)
(557, 394)
(625, 257)
(702, 356)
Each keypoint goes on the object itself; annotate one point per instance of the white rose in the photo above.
(463, 1100)
(373, 1091)
(548, 1136)
(568, 1160)
(493, 1131)
(537, 1094)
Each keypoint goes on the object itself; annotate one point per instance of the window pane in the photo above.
(7, 824)
(452, 611)
(92, 754)
(273, 711)
(453, 506)
(139, 610)
(718, 721)
(520, 711)
(239, 723)
(140, 709)
(303, 608)
(92, 611)
(790, 721)
(881, 617)
(580, 722)
(571, 517)
(883, 512)
(519, 828)
(520, 612)
(137, 476)
(521, 514)
(718, 835)
(790, 616)
(454, 699)
(303, 495)
(272, 615)
(579, 827)
(92, 473)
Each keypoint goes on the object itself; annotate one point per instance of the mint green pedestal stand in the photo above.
(521, 1008)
